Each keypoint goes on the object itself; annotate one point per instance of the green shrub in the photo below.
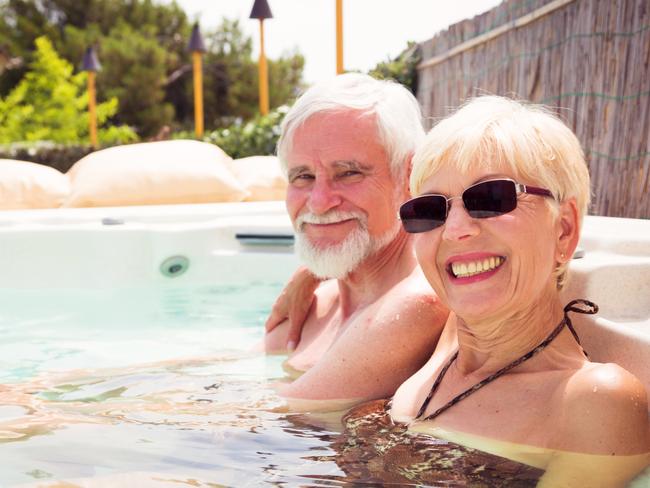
(50, 103)
(403, 68)
(255, 137)
(58, 156)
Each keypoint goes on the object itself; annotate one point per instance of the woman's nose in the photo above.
(459, 224)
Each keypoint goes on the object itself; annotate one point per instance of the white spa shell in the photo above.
(245, 242)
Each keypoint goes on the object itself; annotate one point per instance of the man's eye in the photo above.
(350, 174)
(302, 178)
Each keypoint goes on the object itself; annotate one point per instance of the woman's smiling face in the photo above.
(491, 267)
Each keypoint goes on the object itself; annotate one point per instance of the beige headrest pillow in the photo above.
(154, 173)
(26, 185)
(261, 176)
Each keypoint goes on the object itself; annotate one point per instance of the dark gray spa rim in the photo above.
(579, 253)
(112, 221)
(265, 239)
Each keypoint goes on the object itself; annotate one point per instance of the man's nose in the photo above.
(459, 224)
(323, 196)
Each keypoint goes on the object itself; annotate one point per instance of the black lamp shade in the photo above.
(196, 41)
(261, 10)
(90, 61)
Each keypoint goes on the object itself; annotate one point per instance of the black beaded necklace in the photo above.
(592, 308)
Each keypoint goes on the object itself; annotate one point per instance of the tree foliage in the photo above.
(231, 79)
(142, 46)
(137, 60)
(50, 103)
(402, 68)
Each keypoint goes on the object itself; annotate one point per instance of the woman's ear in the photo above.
(568, 230)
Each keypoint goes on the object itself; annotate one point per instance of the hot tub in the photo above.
(127, 344)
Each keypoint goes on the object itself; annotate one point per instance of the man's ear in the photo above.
(568, 230)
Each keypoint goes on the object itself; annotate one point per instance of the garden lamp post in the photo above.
(91, 64)
(197, 48)
(339, 37)
(261, 11)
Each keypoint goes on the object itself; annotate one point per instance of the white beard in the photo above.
(338, 260)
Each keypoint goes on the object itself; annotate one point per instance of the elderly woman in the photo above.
(502, 188)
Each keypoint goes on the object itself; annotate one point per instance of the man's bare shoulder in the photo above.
(412, 303)
(379, 347)
(327, 292)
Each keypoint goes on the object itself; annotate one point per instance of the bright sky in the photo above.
(373, 30)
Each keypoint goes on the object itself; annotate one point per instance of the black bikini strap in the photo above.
(591, 309)
(435, 385)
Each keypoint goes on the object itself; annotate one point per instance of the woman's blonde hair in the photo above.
(496, 131)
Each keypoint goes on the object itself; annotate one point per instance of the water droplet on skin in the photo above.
(595, 389)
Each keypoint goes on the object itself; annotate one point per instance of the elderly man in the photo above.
(347, 145)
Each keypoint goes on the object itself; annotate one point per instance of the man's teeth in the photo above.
(463, 270)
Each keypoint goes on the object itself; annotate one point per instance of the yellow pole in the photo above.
(339, 37)
(92, 108)
(198, 94)
(263, 75)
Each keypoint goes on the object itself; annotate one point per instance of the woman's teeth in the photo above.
(463, 270)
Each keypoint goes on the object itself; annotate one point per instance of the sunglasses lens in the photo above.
(490, 199)
(423, 213)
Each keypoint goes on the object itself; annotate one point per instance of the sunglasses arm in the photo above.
(533, 190)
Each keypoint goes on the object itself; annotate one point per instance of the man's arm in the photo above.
(373, 357)
(289, 312)
(275, 341)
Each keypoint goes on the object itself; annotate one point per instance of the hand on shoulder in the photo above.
(291, 308)
(275, 341)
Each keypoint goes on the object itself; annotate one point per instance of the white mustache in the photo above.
(330, 217)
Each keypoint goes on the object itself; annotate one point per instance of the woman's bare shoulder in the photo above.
(606, 383)
(606, 410)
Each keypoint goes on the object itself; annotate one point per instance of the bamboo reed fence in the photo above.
(588, 59)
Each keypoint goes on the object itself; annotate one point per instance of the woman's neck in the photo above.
(488, 345)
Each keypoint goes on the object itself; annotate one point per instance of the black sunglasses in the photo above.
(482, 200)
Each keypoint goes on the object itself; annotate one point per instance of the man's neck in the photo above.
(376, 274)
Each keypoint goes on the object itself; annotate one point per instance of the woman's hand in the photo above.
(293, 304)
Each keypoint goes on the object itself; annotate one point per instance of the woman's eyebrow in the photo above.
(494, 176)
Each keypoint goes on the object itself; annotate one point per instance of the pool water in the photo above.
(163, 387)
(59, 330)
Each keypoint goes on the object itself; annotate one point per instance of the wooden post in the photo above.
(198, 93)
(263, 75)
(339, 37)
(92, 109)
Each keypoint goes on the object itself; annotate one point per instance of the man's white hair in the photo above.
(395, 109)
